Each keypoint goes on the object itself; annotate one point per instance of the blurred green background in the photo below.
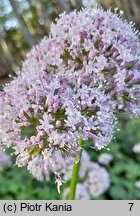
(22, 24)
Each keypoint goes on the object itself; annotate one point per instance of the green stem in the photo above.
(74, 179)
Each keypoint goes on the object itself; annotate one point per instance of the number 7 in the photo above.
(131, 205)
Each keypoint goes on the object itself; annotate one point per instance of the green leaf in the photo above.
(118, 192)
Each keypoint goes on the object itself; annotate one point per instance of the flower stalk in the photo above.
(75, 173)
(74, 179)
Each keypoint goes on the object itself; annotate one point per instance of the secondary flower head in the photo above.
(137, 184)
(105, 158)
(80, 194)
(136, 148)
(97, 181)
(70, 89)
(4, 159)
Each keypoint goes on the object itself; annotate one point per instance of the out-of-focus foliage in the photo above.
(16, 183)
(124, 171)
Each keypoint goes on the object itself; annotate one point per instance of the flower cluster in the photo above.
(80, 194)
(105, 158)
(137, 184)
(70, 89)
(136, 148)
(4, 159)
(95, 179)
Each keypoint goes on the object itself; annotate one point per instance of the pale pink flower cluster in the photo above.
(105, 158)
(95, 179)
(71, 87)
(137, 184)
(136, 148)
(5, 159)
(80, 194)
